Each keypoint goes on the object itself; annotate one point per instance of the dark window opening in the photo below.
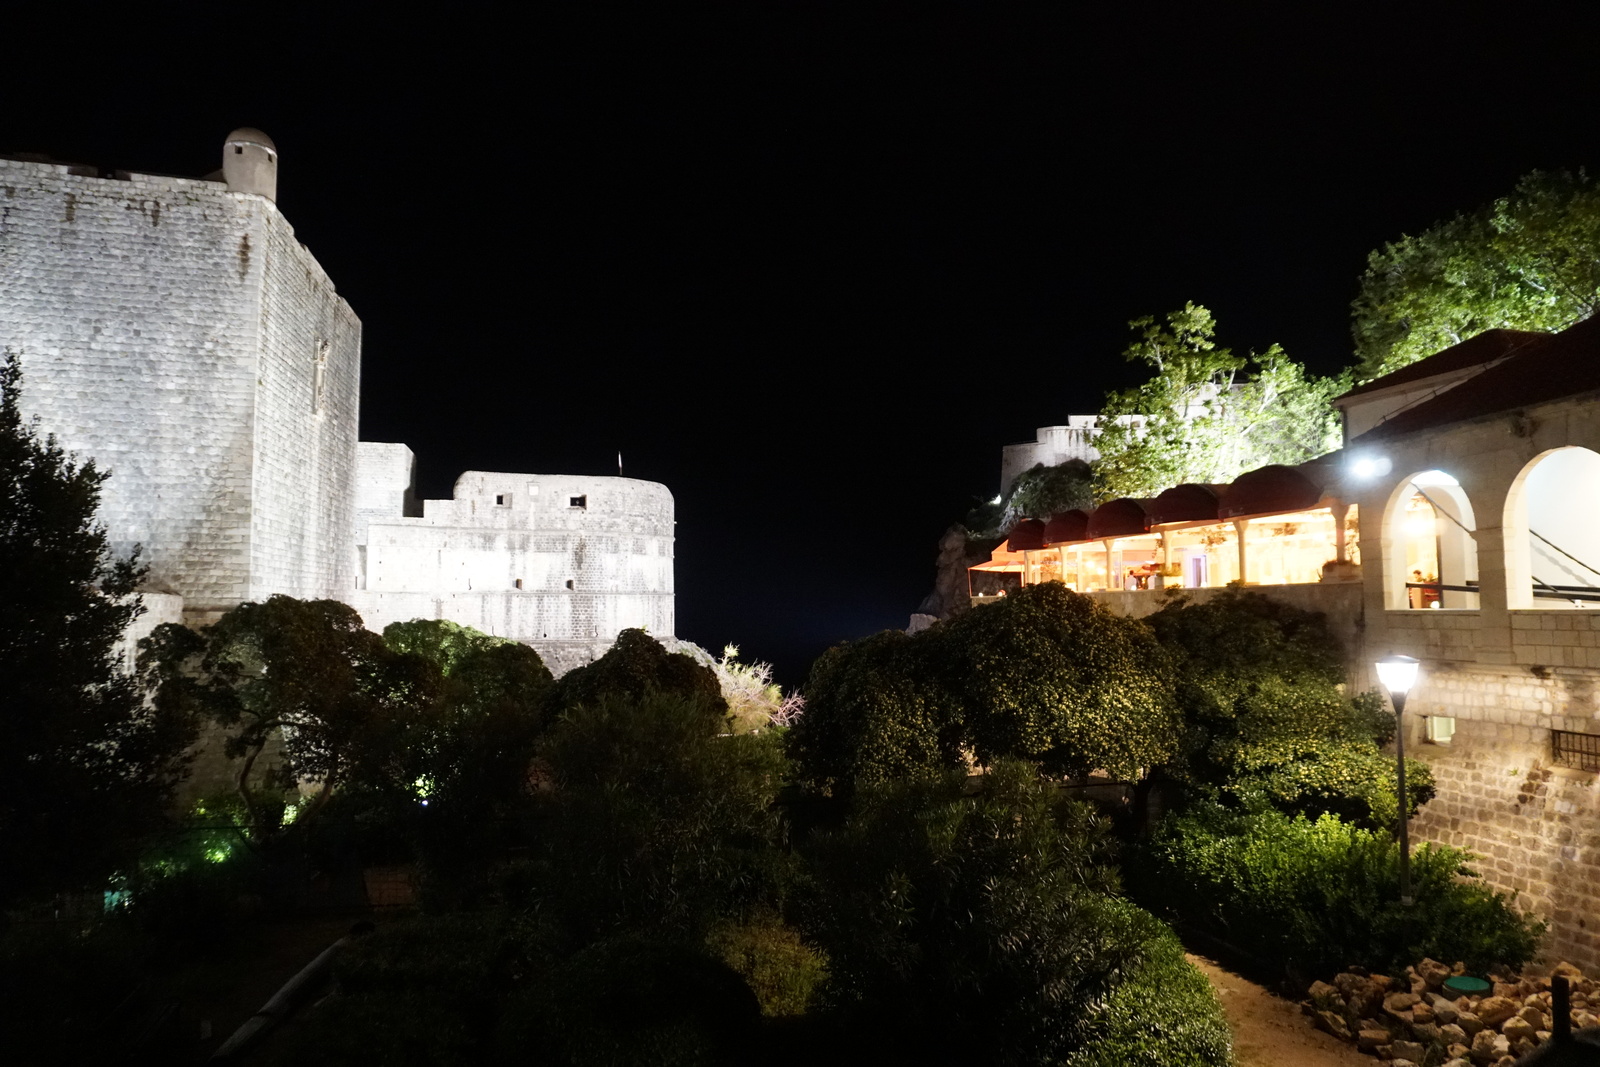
(1578, 751)
(503, 500)
(238, 149)
(569, 583)
(519, 583)
(578, 501)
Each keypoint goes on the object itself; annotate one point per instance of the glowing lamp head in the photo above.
(1370, 466)
(1398, 673)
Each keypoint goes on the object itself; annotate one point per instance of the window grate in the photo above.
(1580, 751)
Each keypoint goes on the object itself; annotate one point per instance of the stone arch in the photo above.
(1552, 531)
(1430, 552)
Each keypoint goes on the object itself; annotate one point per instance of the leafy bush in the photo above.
(630, 1002)
(1163, 1014)
(969, 925)
(637, 665)
(873, 714)
(657, 821)
(1045, 675)
(1314, 897)
(777, 963)
(1258, 684)
(1041, 491)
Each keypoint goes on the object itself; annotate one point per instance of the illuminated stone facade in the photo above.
(176, 332)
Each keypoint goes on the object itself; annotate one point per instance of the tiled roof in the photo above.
(1559, 365)
(1486, 347)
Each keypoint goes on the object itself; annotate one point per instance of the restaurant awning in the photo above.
(1123, 517)
(1190, 502)
(1066, 528)
(1268, 490)
(1026, 536)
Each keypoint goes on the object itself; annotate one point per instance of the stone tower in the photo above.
(175, 331)
(250, 163)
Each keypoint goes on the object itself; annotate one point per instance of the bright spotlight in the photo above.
(1370, 466)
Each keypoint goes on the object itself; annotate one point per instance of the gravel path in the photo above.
(1269, 1031)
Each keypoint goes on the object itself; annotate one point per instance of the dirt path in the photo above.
(1269, 1031)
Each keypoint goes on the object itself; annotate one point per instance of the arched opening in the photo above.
(1552, 532)
(1432, 558)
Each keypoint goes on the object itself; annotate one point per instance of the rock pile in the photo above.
(1404, 1020)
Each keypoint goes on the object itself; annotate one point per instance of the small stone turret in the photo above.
(250, 163)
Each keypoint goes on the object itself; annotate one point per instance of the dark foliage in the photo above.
(658, 821)
(1045, 675)
(1163, 1014)
(1311, 898)
(969, 924)
(86, 769)
(635, 666)
(1264, 714)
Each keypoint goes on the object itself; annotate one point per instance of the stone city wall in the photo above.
(543, 559)
(137, 314)
(307, 415)
(168, 329)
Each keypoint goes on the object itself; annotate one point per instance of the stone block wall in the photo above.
(543, 559)
(137, 314)
(169, 330)
(1535, 828)
(307, 414)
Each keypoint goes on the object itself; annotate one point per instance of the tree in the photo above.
(963, 924)
(1264, 714)
(86, 767)
(661, 821)
(1527, 261)
(308, 678)
(1041, 491)
(1208, 415)
(1045, 675)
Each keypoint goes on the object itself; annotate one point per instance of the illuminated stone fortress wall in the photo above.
(175, 331)
(560, 562)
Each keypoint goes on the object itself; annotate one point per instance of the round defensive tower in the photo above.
(250, 163)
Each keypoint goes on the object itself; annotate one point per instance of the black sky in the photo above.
(812, 267)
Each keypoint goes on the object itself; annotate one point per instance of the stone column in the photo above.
(1240, 526)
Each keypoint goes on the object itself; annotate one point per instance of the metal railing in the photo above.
(1575, 750)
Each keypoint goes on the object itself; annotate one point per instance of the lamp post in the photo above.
(1398, 674)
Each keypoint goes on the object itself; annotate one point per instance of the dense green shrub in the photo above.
(1164, 1012)
(1040, 491)
(874, 714)
(779, 966)
(969, 922)
(1314, 897)
(1265, 716)
(630, 1002)
(637, 665)
(1046, 675)
(657, 820)
(1052, 676)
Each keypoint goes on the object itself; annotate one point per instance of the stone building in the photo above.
(562, 562)
(1460, 524)
(176, 331)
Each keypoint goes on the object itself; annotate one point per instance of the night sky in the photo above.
(812, 270)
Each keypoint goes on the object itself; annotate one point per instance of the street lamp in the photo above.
(1398, 674)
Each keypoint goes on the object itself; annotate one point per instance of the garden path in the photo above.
(1269, 1031)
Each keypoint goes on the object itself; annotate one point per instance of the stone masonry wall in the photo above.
(169, 329)
(136, 312)
(308, 410)
(514, 555)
